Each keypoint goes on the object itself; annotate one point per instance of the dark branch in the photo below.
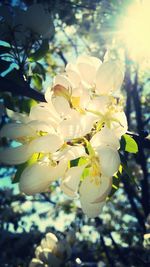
(24, 89)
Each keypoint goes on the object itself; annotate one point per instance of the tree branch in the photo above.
(24, 89)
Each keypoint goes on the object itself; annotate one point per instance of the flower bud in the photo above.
(60, 90)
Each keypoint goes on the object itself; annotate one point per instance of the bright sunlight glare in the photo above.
(135, 30)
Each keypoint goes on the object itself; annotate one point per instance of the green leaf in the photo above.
(37, 80)
(78, 162)
(82, 161)
(41, 52)
(26, 105)
(74, 162)
(18, 173)
(85, 173)
(128, 144)
(116, 182)
(90, 149)
(39, 69)
(35, 157)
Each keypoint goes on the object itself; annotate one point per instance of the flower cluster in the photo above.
(73, 136)
(51, 252)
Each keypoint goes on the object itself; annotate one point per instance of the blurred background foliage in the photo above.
(30, 56)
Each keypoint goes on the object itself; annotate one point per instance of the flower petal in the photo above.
(61, 105)
(76, 126)
(35, 179)
(46, 144)
(91, 210)
(15, 155)
(87, 71)
(42, 126)
(50, 241)
(95, 189)
(62, 80)
(70, 153)
(45, 112)
(16, 130)
(109, 160)
(16, 116)
(105, 137)
(71, 181)
(121, 126)
(99, 104)
(109, 77)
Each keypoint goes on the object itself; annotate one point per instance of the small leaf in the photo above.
(39, 69)
(18, 173)
(128, 144)
(82, 161)
(74, 162)
(37, 81)
(26, 105)
(85, 173)
(90, 149)
(41, 52)
(116, 182)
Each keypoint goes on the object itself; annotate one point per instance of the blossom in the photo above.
(51, 252)
(89, 72)
(38, 177)
(75, 135)
(108, 112)
(22, 153)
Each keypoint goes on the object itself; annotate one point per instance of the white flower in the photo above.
(37, 177)
(108, 112)
(45, 112)
(90, 72)
(76, 125)
(93, 193)
(109, 77)
(70, 182)
(105, 145)
(80, 124)
(50, 241)
(92, 189)
(44, 144)
(105, 137)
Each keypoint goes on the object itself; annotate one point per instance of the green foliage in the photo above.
(128, 144)
(116, 182)
(39, 69)
(37, 80)
(41, 52)
(26, 104)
